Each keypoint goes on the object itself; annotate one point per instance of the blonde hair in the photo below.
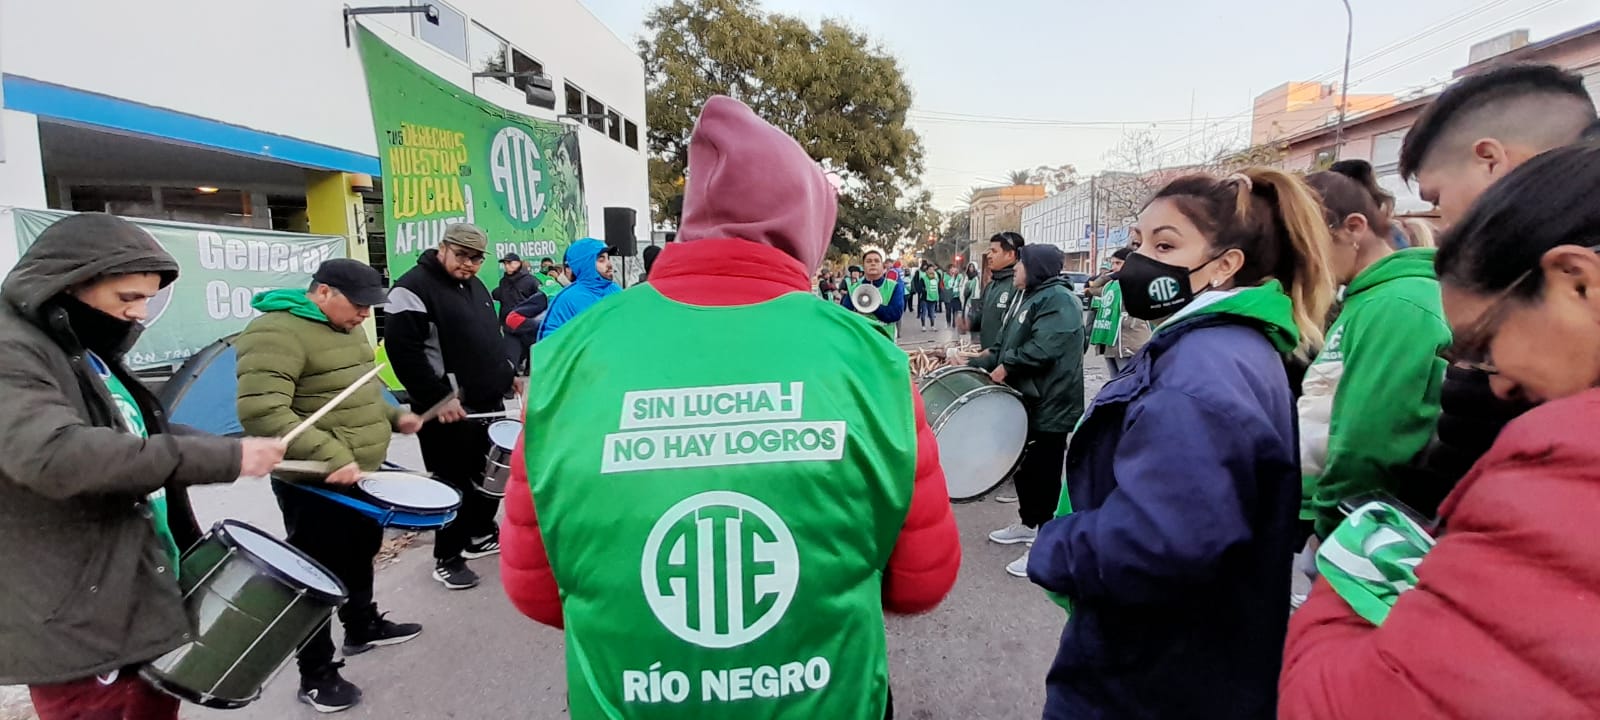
(1277, 222)
(1419, 232)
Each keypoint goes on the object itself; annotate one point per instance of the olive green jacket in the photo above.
(291, 363)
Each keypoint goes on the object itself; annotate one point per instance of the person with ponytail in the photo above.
(1174, 540)
(1495, 615)
(1371, 397)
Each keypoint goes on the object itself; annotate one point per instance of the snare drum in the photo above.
(981, 427)
(497, 469)
(253, 601)
(396, 499)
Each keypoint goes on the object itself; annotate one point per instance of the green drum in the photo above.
(981, 427)
(253, 601)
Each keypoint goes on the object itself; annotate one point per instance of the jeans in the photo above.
(1038, 480)
(125, 696)
(952, 310)
(455, 453)
(928, 312)
(343, 541)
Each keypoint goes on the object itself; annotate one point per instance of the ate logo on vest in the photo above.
(719, 569)
(1163, 289)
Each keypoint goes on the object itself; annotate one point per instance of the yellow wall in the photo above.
(332, 208)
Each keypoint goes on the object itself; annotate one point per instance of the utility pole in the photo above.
(1094, 227)
(1344, 85)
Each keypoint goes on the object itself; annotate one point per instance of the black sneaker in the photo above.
(455, 574)
(327, 692)
(482, 547)
(377, 633)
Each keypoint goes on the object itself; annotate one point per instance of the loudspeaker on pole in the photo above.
(619, 230)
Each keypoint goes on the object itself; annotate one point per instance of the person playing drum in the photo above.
(93, 506)
(733, 529)
(303, 350)
(1039, 351)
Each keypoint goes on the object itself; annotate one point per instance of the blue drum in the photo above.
(397, 499)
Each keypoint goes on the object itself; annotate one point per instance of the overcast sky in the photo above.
(1107, 66)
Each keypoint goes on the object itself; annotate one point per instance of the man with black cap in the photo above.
(444, 340)
(303, 350)
(516, 284)
(94, 510)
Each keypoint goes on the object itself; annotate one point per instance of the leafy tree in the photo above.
(1020, 177)
(1055, 179)
(835, 91)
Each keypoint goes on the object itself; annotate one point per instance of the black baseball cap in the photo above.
(511, 257)
(358, 281)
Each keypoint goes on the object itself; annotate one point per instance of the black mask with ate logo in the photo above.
(1152, 289)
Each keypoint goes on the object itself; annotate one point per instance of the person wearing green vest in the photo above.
(1175, 536)
(1040, 354)
(94, 504)
(305, 348)
(547, 277)
(893, 292)
(777, 502)
(1116, 334)
(988, 317)
(1371, 397)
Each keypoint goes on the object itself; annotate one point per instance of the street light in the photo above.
(1344, 85)
(536, 86)
(429, 12)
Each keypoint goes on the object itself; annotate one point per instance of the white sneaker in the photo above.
(1019, 566)
(1006, 498)
(1016, 533)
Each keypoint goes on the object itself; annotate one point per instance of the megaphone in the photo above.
(866, 298)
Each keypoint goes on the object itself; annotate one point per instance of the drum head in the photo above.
(410, 492)
(288, 563)
(504, 433)
(980, 441)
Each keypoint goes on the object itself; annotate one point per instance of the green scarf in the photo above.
(1372, 557)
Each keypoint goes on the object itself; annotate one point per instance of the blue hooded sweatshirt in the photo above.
(588, 286)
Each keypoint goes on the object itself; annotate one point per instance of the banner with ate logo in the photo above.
(449, 157)
(220, 270)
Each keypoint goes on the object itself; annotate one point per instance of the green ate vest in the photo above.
(719, 523)
(1108, 316)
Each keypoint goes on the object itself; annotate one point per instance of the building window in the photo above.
(522, 62)
(630, 134)
(597, 115)
(1323, 159)
(450, 35)
(488, 51)
(574, 100)
(614, 125)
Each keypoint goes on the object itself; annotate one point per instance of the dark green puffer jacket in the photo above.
(291, 363)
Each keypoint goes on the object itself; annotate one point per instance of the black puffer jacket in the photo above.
(88, 588)
(1470, 418)
(438, 326)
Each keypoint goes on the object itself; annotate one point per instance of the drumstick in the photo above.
(480, 416)
(438, 407)
(341, 397)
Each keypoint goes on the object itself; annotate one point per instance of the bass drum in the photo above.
(981, 427)
(253, 601)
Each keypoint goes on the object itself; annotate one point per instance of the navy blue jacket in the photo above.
(1184, 478)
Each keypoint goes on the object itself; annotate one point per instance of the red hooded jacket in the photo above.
(723, 272)
(1505, 619)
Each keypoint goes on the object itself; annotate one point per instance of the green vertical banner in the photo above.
(219, 270)
(449, 157)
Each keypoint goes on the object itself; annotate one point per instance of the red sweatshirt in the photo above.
(1505, 620)
(923, 566)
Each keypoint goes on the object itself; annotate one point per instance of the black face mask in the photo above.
(103, 334)
(1152, 289)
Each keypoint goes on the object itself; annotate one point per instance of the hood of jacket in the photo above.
(295, 302)
(78, 249)
(750, 180)
(581, 258)
(1043, 264)
(1265, 305)
(1407, 263)
(588, 286)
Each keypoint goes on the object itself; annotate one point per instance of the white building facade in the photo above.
(231, 112)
